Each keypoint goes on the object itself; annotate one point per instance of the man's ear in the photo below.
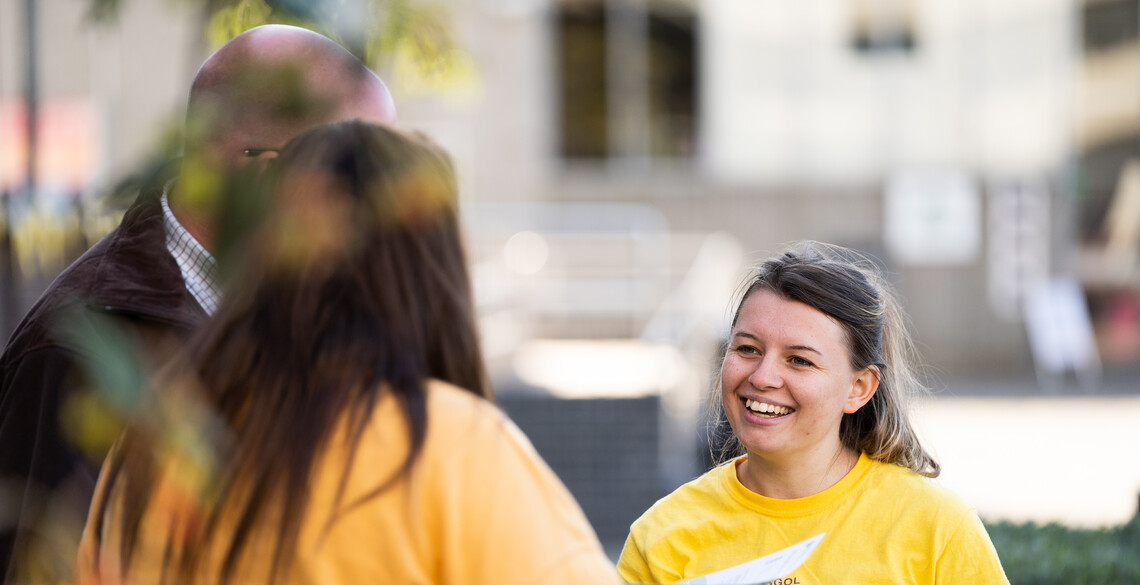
(863, 387)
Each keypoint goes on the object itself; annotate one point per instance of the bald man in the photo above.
(139, 291)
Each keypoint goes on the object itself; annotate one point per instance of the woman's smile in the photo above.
(765, 409)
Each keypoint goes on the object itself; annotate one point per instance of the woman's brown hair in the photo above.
(354, 284)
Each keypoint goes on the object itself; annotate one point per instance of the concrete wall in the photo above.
(799, 134)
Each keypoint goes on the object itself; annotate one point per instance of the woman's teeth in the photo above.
(765, 408)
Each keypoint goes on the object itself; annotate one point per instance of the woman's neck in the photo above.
(799, 477)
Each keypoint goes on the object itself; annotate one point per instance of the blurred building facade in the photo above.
(973, 148)
(959, 142)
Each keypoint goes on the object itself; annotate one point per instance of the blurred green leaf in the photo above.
(112, 362)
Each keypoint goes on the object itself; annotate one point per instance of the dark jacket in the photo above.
(125, 292)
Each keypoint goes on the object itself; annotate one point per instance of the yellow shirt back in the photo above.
(479, 507)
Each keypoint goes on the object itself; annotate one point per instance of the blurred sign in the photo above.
(1060, 330)
(67, 153)
(45, 223)
(933, 217)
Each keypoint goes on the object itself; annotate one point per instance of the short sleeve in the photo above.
(970, 556)
(632, 566)
(508, 518)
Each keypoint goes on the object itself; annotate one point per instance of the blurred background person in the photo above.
(145, 286)
(815, 383)
(346, 431)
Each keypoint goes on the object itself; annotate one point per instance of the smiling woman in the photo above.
(814, 383)
(786, 381)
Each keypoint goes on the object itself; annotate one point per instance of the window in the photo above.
(1108, 23)
(627, 75)
(883, 26)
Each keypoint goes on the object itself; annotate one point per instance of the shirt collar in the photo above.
(199, 268)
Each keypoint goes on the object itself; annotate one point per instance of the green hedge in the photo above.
(1053, 554)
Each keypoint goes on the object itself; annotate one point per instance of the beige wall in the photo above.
(135, 71)
(798, 136)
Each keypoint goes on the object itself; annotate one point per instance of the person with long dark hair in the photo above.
(332, 423)
(142, 289)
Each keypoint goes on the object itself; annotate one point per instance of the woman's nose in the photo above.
(766, 374)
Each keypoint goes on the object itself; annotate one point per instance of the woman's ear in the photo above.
(863, 387)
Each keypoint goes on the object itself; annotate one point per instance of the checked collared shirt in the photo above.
(199, 268)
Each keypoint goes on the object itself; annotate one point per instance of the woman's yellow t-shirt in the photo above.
(480, 507)
(884, 524)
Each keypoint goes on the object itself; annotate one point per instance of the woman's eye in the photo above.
(747, 349)
(799, 361)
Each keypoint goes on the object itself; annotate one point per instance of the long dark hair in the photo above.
(848, 287)
(354, 285)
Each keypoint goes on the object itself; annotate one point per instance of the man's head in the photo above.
(271, 83)
(256, 93)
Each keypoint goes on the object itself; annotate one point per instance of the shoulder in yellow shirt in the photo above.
(479, 507)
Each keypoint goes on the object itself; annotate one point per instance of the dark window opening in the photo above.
(883, 27)
(1107, 24)
(670, 81)
(582, 68)
(672, 84)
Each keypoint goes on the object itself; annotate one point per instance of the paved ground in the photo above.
(1021, 453)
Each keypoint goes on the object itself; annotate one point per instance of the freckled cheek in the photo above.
(732, 374)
